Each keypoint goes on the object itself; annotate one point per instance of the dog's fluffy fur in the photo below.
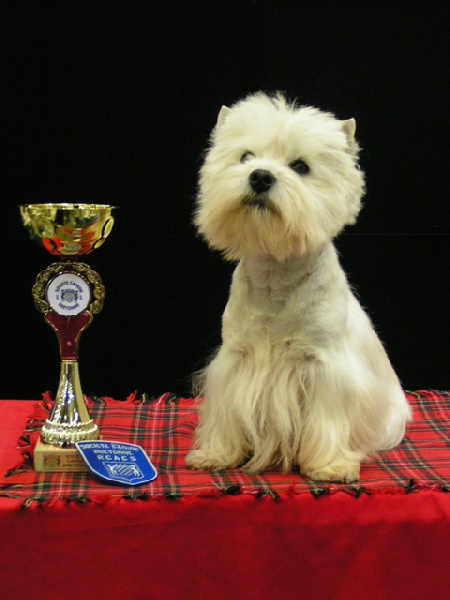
(301, 377)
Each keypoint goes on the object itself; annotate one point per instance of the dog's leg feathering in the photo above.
(218, 444)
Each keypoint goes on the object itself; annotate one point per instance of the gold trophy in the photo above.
(69, 293)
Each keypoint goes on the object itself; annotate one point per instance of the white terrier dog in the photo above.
(301, 376)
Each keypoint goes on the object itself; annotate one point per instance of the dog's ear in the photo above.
(222, 114)
(349, 128)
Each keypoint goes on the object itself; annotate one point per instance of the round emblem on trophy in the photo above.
(68, 294)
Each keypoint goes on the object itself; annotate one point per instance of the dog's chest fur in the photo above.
(295, 307)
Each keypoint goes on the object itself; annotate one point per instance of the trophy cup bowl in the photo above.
(68, 229)
(68, 293)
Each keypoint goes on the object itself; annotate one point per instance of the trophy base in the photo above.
(53, 459)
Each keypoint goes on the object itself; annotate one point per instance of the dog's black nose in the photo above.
(261, 180)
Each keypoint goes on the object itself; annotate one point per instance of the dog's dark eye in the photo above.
(246, 156)
(299, 166)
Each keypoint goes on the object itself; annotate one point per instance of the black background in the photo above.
(113, 102)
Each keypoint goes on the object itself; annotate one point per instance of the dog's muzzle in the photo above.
(261, 180)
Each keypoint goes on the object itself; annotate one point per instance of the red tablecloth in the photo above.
(225, 534)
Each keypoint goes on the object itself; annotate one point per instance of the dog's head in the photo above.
(278, 180)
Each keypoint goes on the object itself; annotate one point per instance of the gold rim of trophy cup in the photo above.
(68, 293)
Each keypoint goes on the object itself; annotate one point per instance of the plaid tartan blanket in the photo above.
(165, 426)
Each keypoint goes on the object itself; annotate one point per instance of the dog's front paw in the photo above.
(343, 472)
(203, 461)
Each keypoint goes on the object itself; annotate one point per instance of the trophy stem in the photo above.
(69, 421)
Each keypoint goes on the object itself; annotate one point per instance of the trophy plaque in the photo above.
(69, 293)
